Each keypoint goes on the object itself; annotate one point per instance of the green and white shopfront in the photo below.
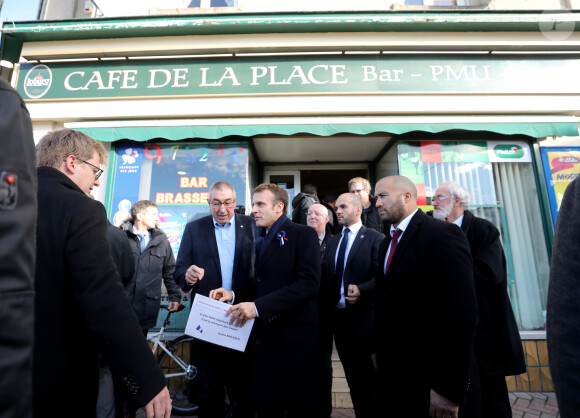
(488, 99)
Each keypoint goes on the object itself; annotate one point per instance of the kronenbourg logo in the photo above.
(129, 156)
(37, 81)
(508, 151)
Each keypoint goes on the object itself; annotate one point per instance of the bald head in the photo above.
(401, 184)
(317, 218)
(348, 209)
(396, 198)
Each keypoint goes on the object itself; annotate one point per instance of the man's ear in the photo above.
(69, 165)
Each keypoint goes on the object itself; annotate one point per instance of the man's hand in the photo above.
(160, 405)
(442, 407)
(353, 294)
(221, 294)
(241, 313)
(173, 306)
(193, 274)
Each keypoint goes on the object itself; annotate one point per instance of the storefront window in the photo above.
(500, 178)
(177, 177)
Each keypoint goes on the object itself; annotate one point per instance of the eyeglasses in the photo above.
(439, 198)
(216, 204)
(97, 173)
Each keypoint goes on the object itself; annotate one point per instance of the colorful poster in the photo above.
(431, 163)
(561, 166)
(176, 177)
(127, 179)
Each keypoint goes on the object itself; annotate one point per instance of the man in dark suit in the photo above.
(348, 292)
(426, 309)
(217, 251)
(285, 376)
(498, 348)
(79, 291)
(317, 219)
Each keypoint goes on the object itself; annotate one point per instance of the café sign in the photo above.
(328, 74)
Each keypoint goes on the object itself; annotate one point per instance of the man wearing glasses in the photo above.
(217, 251)
(498, 348)
(80, 306)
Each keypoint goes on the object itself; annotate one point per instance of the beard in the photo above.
(395, 214)
(442, 213)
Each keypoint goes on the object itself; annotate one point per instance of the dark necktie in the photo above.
(339, 270)
(394, 243)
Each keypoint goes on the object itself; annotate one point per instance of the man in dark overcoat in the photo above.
(285, 378)
(426, 308)
(80, 305)
(18, 211)
(498, 347)
(564, 304)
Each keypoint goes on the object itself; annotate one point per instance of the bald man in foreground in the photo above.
(426, 310)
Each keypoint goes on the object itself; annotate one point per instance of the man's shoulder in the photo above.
(200, 222)
(245, 219)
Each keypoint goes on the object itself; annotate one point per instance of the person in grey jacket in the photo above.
(154, 262)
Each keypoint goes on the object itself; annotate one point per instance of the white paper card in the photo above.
(208, 322)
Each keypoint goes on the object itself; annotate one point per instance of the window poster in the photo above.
(176, 177)
(431, 163)
(561, 166)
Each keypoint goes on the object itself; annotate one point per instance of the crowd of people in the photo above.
(416, 303)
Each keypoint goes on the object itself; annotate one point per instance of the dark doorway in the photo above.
(330, 181)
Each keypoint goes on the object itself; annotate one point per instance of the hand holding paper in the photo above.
(241, 313)
(221, 294)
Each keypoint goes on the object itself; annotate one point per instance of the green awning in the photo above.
(534, 126)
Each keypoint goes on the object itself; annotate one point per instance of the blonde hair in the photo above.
(55, 146)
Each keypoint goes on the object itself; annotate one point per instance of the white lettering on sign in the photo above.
(228, 74)
(370, 74)
(465, 73)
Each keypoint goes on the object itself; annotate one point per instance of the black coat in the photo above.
(563, 320)
(370, 217)
(498, 347)
(81, 306)
(198, 247)
(287, 351)
(154, 264)
(18, 213)
(426, 314)
(122, 253)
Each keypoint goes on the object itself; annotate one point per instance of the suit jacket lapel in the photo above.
(209, 231)
(407, 237)
(274, 243)
(358, 240)
(241, 236)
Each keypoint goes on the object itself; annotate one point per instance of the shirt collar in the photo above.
(354, 228)
(403, 224)
(146, 233)
(459, 221)
(231, 222)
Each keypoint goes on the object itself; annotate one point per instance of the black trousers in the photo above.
(354, 351)
(220, 371)
(495, 402)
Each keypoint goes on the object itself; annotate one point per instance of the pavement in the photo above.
(524, 405)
